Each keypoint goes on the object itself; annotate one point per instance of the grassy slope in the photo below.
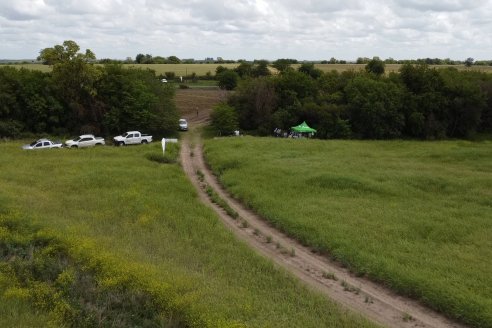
(147, 217)
(414, 215)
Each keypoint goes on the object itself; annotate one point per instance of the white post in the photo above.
(164, 140)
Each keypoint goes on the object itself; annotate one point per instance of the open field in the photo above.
(412, 215)
(137, 229)
(202, 69)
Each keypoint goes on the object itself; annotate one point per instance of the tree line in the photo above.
(417, 102)
(79, 97)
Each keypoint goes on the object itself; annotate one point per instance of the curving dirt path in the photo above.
(325, 276)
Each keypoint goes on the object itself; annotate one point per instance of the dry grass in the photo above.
(202, 69)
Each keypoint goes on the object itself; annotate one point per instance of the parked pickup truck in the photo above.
(132, 138)
(85, 140)
(43, 144)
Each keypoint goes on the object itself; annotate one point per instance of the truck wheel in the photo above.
(144, 141)
(121, 143)
(74, 146)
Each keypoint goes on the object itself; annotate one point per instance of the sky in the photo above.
(251, 29)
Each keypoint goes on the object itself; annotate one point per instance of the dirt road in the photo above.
(323, 275)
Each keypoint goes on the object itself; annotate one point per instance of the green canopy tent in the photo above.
(303, 128)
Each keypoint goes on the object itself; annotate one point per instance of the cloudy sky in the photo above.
(251, 29)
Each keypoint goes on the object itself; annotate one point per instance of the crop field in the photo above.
(202, 69)
(415, 216)
(110, 236)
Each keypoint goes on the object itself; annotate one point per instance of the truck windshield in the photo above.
(124, 135)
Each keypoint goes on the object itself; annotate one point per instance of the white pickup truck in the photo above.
(85, 140)
(43, 144)
(132, 138)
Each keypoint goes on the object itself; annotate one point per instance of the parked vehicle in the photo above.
(85, 140)
(183, 124)
(43, 144)
(132, 138)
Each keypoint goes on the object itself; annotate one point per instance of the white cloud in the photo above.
(309, 29)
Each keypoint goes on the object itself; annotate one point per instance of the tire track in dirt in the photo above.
(360, 295)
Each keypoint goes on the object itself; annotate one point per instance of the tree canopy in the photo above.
(79, 97)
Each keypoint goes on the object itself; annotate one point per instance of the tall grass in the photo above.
(415, 216)
(135, 227)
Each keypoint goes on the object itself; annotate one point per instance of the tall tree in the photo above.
(375, 66)
(74, 76)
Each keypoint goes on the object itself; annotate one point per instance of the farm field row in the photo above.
(414, 216)
(203, 69)
(137, 227)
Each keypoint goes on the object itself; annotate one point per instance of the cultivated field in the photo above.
(202, 69)
(413, 215)
(81, 229)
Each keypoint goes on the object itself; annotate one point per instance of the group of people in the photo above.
(278, 133)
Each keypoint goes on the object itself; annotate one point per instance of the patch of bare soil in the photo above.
(323, 275)
(196, 104)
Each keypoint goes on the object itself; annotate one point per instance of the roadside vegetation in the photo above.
(417, 102)
(112, 235)
(412, 215)
(78, 97)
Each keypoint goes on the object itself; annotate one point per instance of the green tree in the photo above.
(375, 108)
(228, 79)
(135, 99)
(465, 102)
(74, 77)
(173, 60)
(68, 51)
(375, 66)
(309, 69)
(425, 106)
(244, 69)
(255, 101)
(261, 68)
(469, 62)
(283, 64)
(224, 119)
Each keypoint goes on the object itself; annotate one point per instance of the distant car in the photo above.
(183, 125)
(43, 144)
(85, 140)
(132, 138)
(164, 80)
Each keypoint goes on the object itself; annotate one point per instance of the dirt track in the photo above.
(358, 294)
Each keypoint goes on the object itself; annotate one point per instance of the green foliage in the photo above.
(227, 79)
(137, 229)
(375, 66)
(224, 119)
(68, 289)
(420, 102)
(309, 69)
(135, 100)
(283, 64)
(79, 97)
(255, 100)
(412, 215)
(375, 108)
(68, 52)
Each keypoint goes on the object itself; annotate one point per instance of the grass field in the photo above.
(202, 69)
(81, 229)
(416, 216)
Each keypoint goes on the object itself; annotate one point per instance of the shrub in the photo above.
(10, 128)
(224, 119)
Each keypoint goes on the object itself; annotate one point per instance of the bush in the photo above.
(224, 119)
(228, 79)
(11, 128)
